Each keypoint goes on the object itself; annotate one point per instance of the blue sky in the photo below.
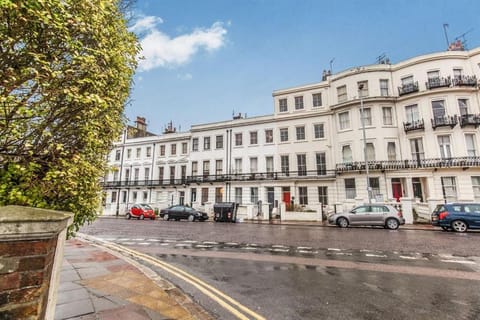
(204, 59)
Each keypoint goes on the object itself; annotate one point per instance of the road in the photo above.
(312, 272)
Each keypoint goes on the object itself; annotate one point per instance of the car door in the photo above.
(472, 215)
(358, 215)
(177, 212)
(134, 211)
(377, 215)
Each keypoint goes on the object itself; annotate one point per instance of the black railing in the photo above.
(414, 125)
(470, 120)
(462, 162)
(445, 121)
(408, 88)
(199, 179)
(468, 81)
(439, 82)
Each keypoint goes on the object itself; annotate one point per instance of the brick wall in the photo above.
(25, 273)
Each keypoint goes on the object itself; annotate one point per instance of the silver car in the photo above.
(369, 215)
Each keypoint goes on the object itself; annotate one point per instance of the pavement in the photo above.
(99, 284)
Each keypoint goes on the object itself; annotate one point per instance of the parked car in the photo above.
(178, 212)
(141, 211)
(457, 216)
(369, 215)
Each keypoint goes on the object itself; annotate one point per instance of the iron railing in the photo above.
(414, 125)
(445, 121)
(470, 120)
(459, 162)
(408, 88)
(468, 81)
(200, 179)
(438, 82)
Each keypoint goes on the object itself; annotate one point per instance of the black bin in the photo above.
(225, 212)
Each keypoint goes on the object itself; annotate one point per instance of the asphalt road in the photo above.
(304, 272)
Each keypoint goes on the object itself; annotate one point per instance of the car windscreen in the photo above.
(146, 207)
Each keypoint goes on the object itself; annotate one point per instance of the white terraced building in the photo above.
(421, 119)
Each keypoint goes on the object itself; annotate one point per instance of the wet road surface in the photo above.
(300, 272)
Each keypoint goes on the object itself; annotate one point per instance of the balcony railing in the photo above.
(461, 162)
(445, 121)
(199, 179)
(470, 120)
(414, 125)
(469, 81)
(439, 82)
(408, 88)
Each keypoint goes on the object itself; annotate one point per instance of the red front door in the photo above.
(397, 189)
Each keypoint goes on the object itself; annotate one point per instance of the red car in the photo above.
(141, 211)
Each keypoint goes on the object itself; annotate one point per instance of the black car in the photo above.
(182, 212)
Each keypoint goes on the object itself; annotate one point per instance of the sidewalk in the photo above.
(96, 284)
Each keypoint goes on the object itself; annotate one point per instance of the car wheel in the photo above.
(128, 216)
(141, 217)
(342, 222)
(165, 217)
(459, 226)
(392, 224)
(445, 228)
(191, 218)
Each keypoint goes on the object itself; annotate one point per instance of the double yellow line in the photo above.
(233, 306)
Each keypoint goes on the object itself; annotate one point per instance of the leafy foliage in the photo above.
(67, 69)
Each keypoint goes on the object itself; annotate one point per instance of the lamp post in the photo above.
(362, 116)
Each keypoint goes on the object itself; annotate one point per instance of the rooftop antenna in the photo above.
(445, 26)
(331, 65)
(464, 40)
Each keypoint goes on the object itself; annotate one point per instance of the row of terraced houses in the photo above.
(420, 121)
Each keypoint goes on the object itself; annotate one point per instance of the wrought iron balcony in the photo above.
(470, 120)
(201, 179)
(445, 121)
(459, 162)
(414, 125)
(468, 81)
(439, 82)
(408, 88)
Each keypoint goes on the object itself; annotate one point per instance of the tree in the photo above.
(67, 69)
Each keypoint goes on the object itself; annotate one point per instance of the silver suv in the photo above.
(369, 215)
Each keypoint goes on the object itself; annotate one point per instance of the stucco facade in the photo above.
(421, 121)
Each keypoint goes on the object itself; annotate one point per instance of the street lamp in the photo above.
(362, 115)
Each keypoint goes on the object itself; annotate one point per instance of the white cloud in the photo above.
(146, 24)
(160, 50)
(185, 76)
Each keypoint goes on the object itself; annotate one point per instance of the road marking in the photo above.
(334, 249)
(209, 242)
(128, 243)
(460, 261)
(304, 248)
(144, 243)
(376, 255)
(306, 251)
(233, 306)
(279, 246)
(138, 239)
(190, 241)
(343, 254)
(203, 246)
(154, 240)
(231, 243)
(249, 248)
(123, 239)
(279, 250)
